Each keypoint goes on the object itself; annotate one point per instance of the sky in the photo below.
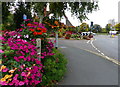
(108, 9)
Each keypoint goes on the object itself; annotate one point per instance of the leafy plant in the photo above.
(54, 68)
(67, 36)
(76, 36)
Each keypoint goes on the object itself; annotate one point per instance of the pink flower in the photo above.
(11, 83)
(3, 83)
(15, 77)
(16, 82)
(23, 74)
(21, 57)
(32, 53)
(28, 58)
(26, 81)
(21, 83)
(5, 70)
(16, 59)
(36, 82)
(42, 57)
(37, 61)
(1, 38)
(1, 51)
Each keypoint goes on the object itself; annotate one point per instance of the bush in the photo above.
(67, 36)
(76, 36)
(54, 69)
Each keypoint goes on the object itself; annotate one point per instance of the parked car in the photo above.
(113, 32)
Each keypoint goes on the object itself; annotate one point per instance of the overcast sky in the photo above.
(108, 10)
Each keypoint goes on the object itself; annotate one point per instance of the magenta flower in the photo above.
(5, 70)
(15, 77)
(16, 59)
(21, 83)
(1, 51)
(11, 83)
(23, 74)
(1, 38)
(3, 83)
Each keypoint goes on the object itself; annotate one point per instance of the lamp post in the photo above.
(56, 35)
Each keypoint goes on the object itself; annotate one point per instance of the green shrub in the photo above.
(54, 69)
(76, 36)
(67, 36)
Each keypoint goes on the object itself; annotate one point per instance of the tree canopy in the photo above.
(78, 9)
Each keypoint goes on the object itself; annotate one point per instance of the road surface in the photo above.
(85, 68)
(107, 45)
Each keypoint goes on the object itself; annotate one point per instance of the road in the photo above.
(107, 45)
(86, 68)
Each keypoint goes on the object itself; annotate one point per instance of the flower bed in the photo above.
(20, 64)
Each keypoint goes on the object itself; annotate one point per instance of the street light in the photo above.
(56, 35)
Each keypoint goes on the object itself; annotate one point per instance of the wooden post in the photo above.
(56, 39)
(38, 40)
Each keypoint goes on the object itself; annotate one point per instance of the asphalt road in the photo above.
(107, 45)
(85, 68)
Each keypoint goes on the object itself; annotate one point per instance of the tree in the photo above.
(84, 27)
(117, 27)
(97, 28)
(5, 11)
(108, 27)
(23, 8)
(78, 9)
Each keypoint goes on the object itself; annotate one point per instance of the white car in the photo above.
(113, 32)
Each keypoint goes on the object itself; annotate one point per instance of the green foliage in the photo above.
(54, 68)
(84, 27)
(76, 36)
(108, 27)
(5, 11)
(117, 27)
(104, 30)
(79, 9)
(97, 28)
(68, 36)
(20, 11)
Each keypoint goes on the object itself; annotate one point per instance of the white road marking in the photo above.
(102, 53)
(98, 50)
(63, 47)
(88, 41)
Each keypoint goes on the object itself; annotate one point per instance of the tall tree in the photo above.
(79, 9)
(23, 8)
(117, 27)
(84, 27)
(97, 28)
(5, 11)
(108, 27)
